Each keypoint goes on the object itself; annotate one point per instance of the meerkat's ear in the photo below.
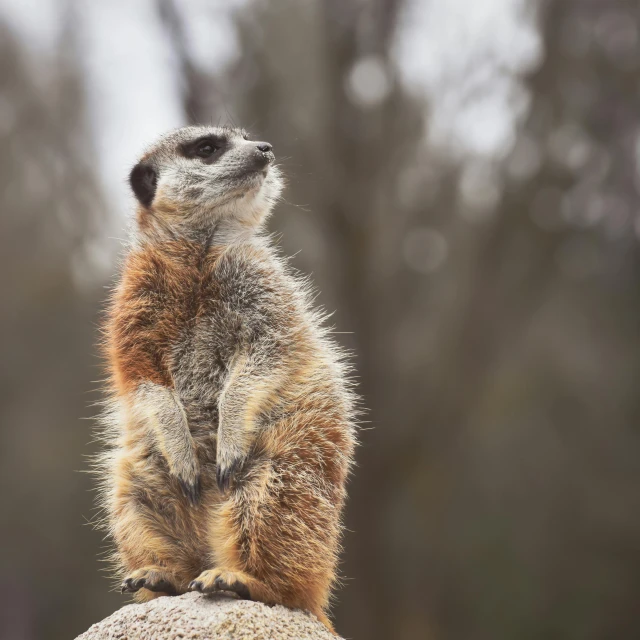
(143, 180)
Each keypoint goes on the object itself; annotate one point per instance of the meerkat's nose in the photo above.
(259, 155)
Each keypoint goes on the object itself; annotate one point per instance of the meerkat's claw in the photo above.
(226, 474)
(234, 586)
(155, 580)
(196, 585)
(215, 580)
(191, 490)
(128, 586)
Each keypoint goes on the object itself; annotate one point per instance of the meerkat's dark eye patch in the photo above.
(204, 148)
(143, 180)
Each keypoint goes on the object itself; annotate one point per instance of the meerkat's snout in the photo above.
(261, 156)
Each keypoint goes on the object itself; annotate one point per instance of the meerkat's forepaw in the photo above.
(154, 579)
(191, 489)
(215, 580)
(226, 472)
(230, 458)
(188, 476)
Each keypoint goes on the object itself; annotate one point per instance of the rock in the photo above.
(197, 617)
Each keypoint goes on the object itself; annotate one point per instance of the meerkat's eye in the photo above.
(206, 149)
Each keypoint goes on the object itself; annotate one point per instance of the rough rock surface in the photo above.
(194, 616)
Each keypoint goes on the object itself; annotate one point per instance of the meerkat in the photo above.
(230, 419)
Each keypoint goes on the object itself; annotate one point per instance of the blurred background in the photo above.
(464, 187)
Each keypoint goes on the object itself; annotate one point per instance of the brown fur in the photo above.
(214, 334)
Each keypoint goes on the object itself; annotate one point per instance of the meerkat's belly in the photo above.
(198, 368)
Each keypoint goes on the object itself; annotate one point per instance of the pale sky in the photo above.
(466, 56)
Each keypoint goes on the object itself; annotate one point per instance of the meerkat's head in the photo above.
(198, 179)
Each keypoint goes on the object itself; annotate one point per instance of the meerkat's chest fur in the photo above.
(184, 329)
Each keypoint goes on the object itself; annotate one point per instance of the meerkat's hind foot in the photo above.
(155, 579)
(216, 580)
